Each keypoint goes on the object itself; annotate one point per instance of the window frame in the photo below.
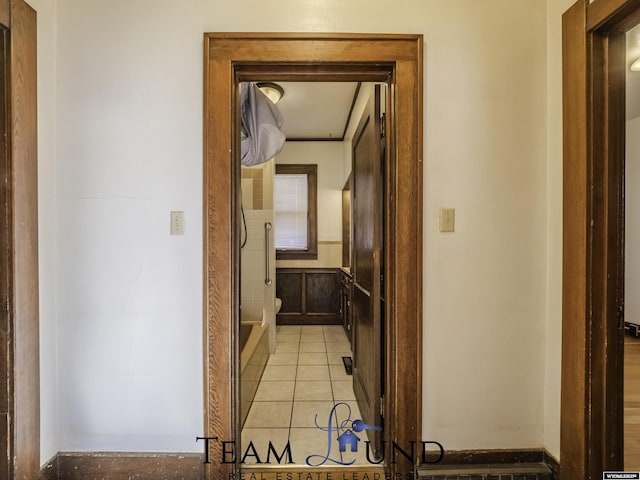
(311, 171)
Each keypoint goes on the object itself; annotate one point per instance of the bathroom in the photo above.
(295, 333)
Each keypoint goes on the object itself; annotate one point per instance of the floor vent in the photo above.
(348, 365)
(520, 471)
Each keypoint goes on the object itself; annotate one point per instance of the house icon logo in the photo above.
(347, 438)
(350, 439)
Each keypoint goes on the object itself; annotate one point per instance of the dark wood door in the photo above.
(367, 262)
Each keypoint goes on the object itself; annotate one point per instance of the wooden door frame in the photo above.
(591, 437)
(19, 336)
(230, 58)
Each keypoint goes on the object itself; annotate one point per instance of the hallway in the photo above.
(302, 382)
(135, 342)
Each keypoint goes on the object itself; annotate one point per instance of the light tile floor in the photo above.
(303, 381)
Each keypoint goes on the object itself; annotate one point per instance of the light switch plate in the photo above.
(447, 219)
(177, 223)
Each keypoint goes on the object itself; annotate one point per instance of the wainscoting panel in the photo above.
(310, 296)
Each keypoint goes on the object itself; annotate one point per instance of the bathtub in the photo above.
(254, 353)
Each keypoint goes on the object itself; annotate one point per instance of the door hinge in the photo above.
(383, 125)
(382, 406)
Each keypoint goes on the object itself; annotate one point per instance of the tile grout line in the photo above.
(295, 385)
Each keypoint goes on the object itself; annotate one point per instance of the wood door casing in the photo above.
(230, 58)
(591, 437)
(367, 168)
(19, 333)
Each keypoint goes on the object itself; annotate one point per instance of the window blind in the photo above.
(291, 204)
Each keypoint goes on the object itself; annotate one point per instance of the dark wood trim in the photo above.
(535, 471)
(593, 236)
(123, 466)
(6, 259)
(496, 457)
(311, 171)
(613, 15)
(51, 469)
(352, 72)
(188, 466)
(607, 138)
(397, 59)
(552, 463)
(484, 458)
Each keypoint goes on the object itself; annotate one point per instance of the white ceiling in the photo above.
(316, 109)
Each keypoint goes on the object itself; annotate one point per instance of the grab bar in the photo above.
(267, 228)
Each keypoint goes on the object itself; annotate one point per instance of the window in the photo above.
(296, 212)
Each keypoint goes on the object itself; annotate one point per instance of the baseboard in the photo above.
(496, 458)
(491, 457)
(189, 466)
(122, 466)
(49, 470)
(552, 463)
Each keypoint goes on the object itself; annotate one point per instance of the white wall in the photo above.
(485, 284)
(329, 156)
(46, 32)
(129, 295)
(129, 119)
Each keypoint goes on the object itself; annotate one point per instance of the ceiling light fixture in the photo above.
(273, 91)
(635, 66)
